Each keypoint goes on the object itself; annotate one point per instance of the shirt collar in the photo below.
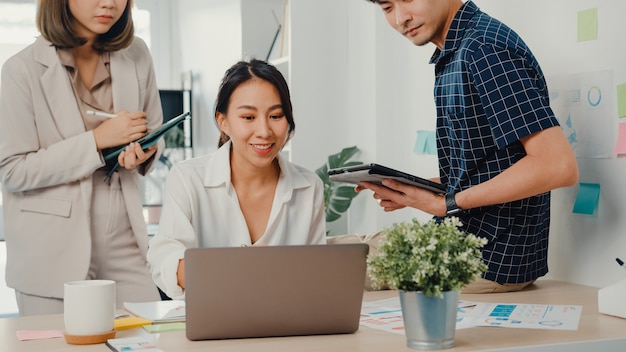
(456, 32)
(217, 171)
(218, 174)
(102, 73)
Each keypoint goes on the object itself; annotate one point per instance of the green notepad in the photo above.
(164, 327)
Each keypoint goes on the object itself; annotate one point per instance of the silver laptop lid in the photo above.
(240, 292)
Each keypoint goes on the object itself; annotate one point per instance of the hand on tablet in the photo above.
(382, 195)
(394, 195)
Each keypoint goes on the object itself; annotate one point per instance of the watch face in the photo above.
(453, 211)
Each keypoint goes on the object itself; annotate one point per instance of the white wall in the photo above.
(209, 36)
(389, 97)
(206, 40)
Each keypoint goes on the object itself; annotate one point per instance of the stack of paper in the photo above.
(159, 311)
(386, 314)
(136, 343)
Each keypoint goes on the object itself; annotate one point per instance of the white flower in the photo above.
(431, 257)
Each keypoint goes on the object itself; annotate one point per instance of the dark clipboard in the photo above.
(376, 173)
(150, 139)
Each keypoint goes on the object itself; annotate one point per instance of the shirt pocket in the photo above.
(43, 205)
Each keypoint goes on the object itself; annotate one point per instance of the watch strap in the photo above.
(451, 206)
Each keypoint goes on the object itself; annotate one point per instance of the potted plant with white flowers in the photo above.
(428, 263)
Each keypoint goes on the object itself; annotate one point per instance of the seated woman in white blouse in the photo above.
(244, 193)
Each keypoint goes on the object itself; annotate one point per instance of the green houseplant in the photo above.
(337, 196)
(429, 264)
(431, 257)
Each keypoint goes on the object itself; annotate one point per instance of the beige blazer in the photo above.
(47, 160)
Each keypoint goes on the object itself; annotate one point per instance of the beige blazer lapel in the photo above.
(58, 91)
(59, 94)
(124, 82)
(126, 96)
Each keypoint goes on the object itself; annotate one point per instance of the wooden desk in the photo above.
(595, 330)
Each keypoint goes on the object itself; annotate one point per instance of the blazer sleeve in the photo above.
(32, 152)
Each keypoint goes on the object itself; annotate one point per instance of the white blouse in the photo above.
(200, 209)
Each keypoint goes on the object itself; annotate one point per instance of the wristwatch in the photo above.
(451, 207)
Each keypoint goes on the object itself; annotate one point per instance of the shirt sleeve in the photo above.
(317, 234)
(174, 236)
(512, 99)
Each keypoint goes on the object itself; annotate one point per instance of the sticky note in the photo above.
(588, 25)
(25, 335)
(425, 143)
(621, 100)
(431, 144)
(164, 327)
(420, 142)
(129, 323)
(620, 145)
(587, 198)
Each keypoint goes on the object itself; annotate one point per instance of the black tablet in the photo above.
(149, 139)
(375, 173)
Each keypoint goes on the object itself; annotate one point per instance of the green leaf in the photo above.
(322, 173)
(345, 192)
(340, 205)
(331, 215)
(337, 196)
(340, 159)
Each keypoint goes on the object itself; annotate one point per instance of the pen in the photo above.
(620, 262)
(100, 113)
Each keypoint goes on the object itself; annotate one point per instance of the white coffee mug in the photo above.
(89, 307)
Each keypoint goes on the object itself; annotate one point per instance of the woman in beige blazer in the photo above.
(64, 219)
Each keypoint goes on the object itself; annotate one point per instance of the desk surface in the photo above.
(593, 326)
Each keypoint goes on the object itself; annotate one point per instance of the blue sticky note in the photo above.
(587, 198)
(431, 144)
(425, 143)
(420, 142)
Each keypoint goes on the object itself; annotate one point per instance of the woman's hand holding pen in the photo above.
(123, 129)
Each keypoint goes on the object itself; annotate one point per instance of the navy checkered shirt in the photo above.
(490, 92)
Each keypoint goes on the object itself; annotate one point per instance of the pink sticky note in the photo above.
(620, 146)
(25, 335)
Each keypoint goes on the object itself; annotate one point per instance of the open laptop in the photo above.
(241, 292)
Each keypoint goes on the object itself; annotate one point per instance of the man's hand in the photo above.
(394, 195)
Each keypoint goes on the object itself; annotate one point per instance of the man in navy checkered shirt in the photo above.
(499, 144)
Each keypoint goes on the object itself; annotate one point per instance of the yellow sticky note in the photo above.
(588, 25)
(130, 323)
